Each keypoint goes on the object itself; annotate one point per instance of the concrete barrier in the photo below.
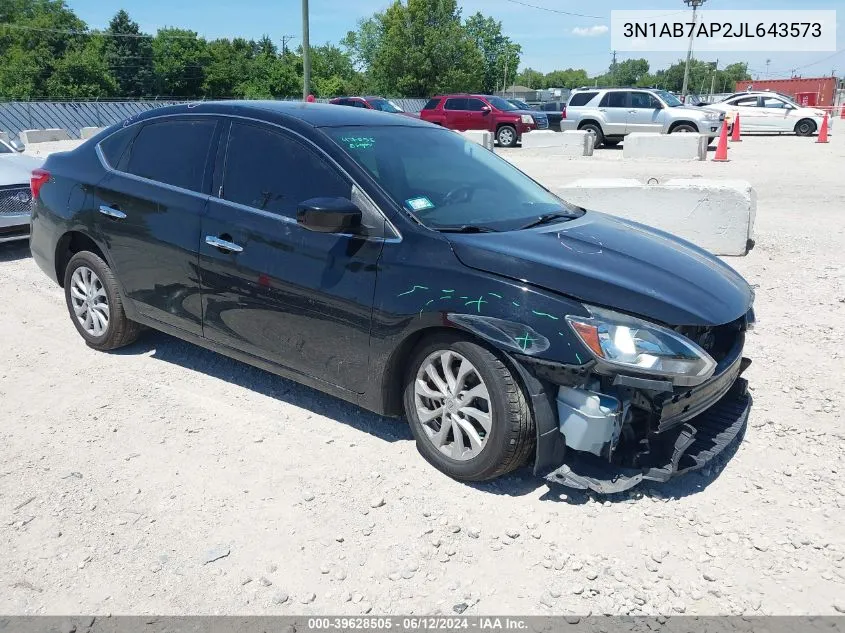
(569, 143)
(88, 132)
(44, 136)
(668, 146)
(715, 215)
(482, 137)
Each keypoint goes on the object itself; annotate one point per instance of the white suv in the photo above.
(612, 113)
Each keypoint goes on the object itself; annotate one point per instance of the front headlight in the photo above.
(639, 346)
(712, 116)
(528, 119)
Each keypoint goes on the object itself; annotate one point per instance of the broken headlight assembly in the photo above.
(623, 342)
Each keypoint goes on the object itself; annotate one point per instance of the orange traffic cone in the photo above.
(823, 132)
(736, 132)
(722, 149)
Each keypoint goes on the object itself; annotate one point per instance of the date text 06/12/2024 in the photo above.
(417, 623)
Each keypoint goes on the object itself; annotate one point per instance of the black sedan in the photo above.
(396, 265)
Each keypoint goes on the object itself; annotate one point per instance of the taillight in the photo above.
(37, 180)
(563, 113)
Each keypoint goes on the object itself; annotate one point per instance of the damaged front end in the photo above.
(654, 403)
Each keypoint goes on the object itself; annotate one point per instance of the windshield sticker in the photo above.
(358, 142)
(419, 204)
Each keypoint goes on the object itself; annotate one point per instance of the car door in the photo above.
(272, 288)
(477, 115)
(455, 110)
(614, 109)
(775, 115)
(646, 113)
(750, 115)
(147, 213)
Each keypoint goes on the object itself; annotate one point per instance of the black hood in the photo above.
(607, 261)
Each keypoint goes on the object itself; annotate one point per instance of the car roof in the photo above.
(305, 114)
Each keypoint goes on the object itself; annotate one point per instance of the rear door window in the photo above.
(174, 152)
(268, 170)
(114, 146)
(432, 104)
(581, 98)
(614, 100)
(456, 104)
(747, 102)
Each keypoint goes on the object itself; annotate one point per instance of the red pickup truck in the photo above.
(463, 112)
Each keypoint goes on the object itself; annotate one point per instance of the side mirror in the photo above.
(329, 215)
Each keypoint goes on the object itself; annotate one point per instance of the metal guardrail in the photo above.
(16, 116)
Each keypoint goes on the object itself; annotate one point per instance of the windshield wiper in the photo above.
(549, 217)
(465, 228)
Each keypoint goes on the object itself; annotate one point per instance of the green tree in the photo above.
(270, 77)
(230, 62)
(180, 58)
(569, 78)
(424, 49)
(82, 73)
(129, 56)
(332, 71)
(630, 72)
(531, 78)
(501, 56)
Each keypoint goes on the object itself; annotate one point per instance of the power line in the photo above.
(577, 15)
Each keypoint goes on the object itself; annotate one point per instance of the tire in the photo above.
(595, 130)
(511, 438)
(613, 143)
(805, 127)
(506, 136)
(90, 298)
(684, 128)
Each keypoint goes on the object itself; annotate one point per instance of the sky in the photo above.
(549, 40)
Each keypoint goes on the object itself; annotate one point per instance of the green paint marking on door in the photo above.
(545, 314)
(493, 294)
(579, 358)
(449, 291)
(447, 297)
(515, 303)
(477, 303)
(412, 290)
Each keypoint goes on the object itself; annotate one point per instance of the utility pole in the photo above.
(613, 69)
(306, 53)
(713, 78)
(285, 40)
(768, 61)
(694, 4)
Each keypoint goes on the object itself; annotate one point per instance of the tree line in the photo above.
(413, 48)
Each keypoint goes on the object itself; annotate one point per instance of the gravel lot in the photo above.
(167, 479)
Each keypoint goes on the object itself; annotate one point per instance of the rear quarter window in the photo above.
(581, 98)
(432, 104)
(114, 146)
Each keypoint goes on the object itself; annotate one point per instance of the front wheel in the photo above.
(467, 411)
(506, 136)
(684, 129)
(805, 127)
(95, 305)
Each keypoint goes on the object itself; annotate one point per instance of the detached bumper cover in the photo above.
(683, 449)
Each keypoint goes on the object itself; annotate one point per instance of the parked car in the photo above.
(612, 113)
(554, 112)
(403, 268)
(770, 112)
(372, 103)
(521, 105)
(15, 195)
(504, 120)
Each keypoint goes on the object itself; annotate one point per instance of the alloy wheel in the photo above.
(453, 405)
(90, 301)
(506, 136)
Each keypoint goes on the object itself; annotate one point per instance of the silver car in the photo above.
(613, 113)
(15, 196)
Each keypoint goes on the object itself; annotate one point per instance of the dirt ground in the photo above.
(167, 479)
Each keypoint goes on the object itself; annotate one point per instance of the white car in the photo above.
(770, 112)
(15, 196)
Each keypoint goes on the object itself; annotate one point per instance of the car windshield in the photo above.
(385, 106)
(501, 104)
(671, 100)
(446, 181)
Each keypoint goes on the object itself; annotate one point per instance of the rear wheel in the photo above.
(595, 130)
(467, 411)
(506, 136)
(805, 127)
(94, 303)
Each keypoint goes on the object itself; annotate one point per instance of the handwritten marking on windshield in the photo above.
(412, 290)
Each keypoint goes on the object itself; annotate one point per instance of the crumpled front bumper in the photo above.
(682, 449)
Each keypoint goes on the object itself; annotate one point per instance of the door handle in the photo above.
(222, 244)
(112, 212)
